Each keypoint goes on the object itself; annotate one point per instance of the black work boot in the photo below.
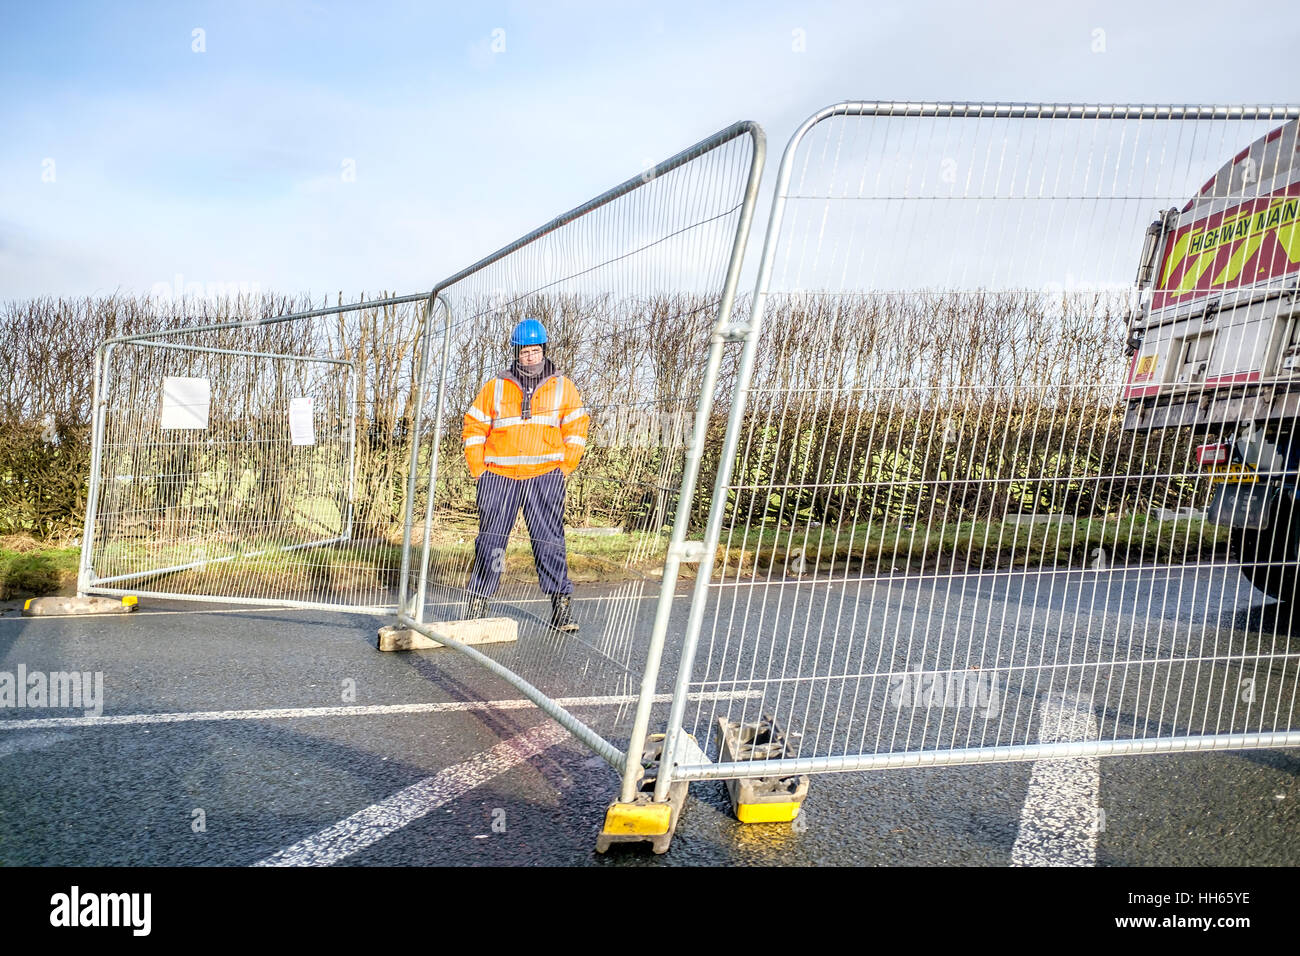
(478, 607)
(561, 617)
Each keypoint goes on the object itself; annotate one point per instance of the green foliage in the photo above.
(35, 571)
(936, 408)
(43, 474)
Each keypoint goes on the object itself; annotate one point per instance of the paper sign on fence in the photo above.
(302, 429)
(185, 402)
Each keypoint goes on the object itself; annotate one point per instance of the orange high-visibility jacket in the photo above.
(499, 438)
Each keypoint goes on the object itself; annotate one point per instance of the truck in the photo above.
(1215, 346)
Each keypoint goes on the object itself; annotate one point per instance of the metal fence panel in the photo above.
(635, 288)
(245, 461)
(934, 537)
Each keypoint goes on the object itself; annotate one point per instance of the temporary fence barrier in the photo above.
(245, 461)
(964, 500)
(935, 537)
(635, 290)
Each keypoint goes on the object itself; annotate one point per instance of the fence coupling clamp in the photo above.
(734, 332)
(688, 552)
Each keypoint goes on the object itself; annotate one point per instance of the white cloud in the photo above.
(233, 172)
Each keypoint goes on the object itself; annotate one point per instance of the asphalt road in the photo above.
(281, 736)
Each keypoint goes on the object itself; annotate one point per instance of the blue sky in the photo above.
(227, 165)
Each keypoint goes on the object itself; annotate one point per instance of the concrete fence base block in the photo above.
(59, 606)
(760, 799)
(484, 630)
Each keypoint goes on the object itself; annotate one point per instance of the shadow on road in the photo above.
(1274, 618)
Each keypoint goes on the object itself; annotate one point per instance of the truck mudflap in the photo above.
(1245, 506)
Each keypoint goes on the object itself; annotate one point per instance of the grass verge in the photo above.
(31, 568)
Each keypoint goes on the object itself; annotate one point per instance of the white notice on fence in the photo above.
(301, 428)
(185, 402)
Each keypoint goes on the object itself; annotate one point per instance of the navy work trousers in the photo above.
(499, 500)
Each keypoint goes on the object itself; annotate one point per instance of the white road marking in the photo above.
(1061, 818)
(547, 601)
(356, 710)
(367, 827)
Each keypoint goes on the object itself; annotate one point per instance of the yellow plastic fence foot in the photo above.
(484, 630)
(760, 799)
(643, 820)
(59, 606)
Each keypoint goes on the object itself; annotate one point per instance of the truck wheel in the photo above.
(1269, 558)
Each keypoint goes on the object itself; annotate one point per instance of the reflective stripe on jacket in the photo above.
(499, 438)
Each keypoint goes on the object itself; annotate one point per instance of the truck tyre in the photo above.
(1270, 559)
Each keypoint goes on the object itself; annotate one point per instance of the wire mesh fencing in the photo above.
(597, 444)
(946, 528)
(255, 461)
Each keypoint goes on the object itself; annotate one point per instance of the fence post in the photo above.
(86, 567)
(413, 466)
(678, 549)
(433, 458)
(735, 421)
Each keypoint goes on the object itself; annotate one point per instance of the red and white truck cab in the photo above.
(1216, 348)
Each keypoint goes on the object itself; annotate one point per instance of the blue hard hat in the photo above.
(528, 332)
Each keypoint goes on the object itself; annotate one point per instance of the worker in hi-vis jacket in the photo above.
(524, 435)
